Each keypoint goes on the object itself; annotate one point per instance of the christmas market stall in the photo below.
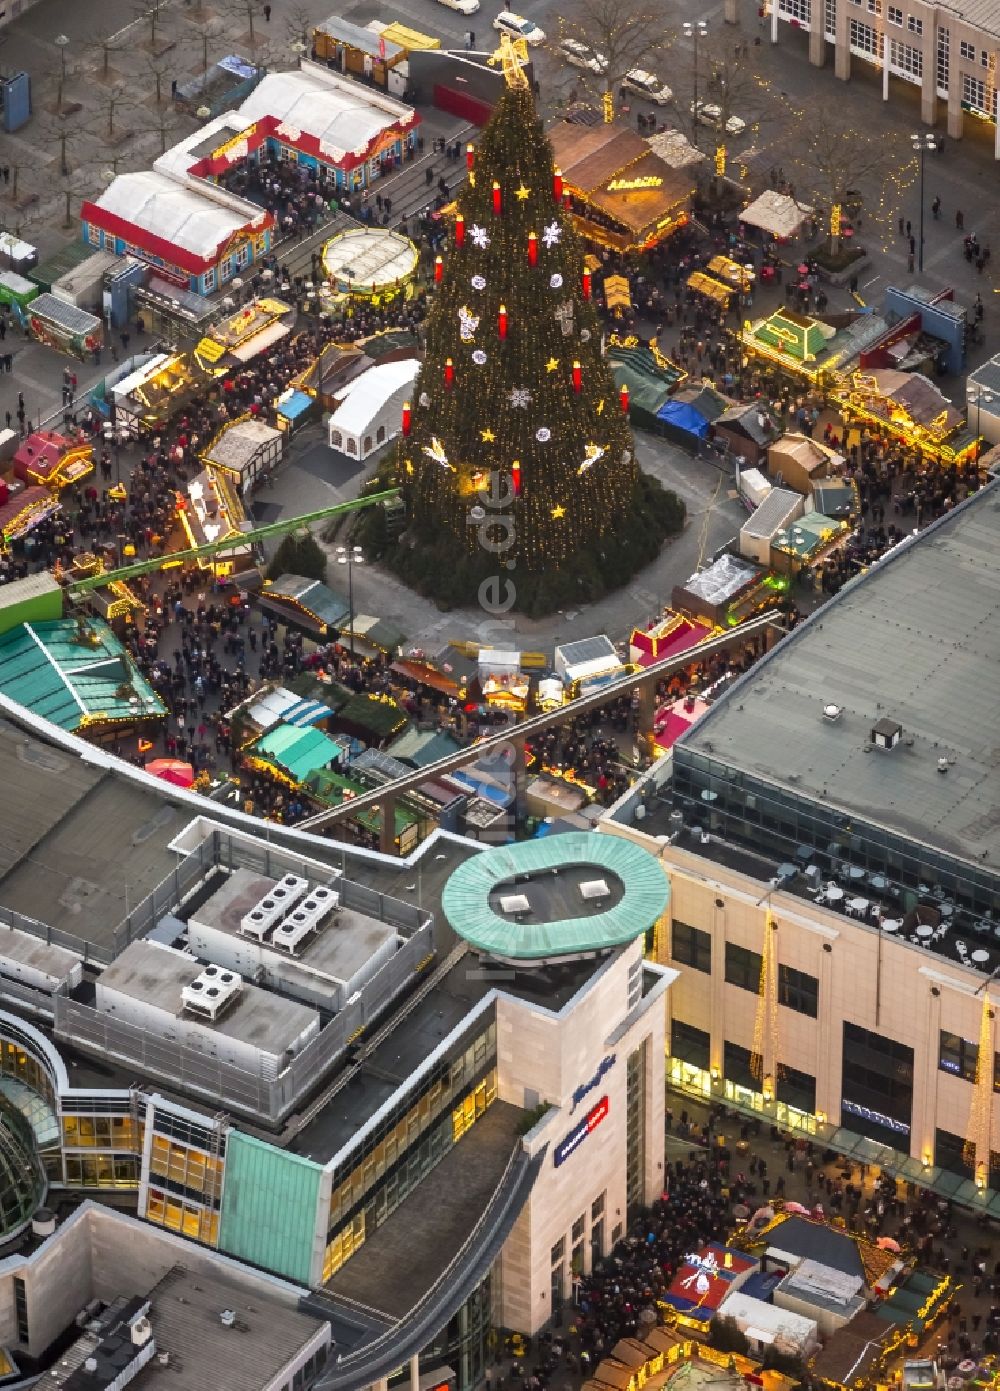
(290, 754)
(76, 673)
(703, 1282)
(306, 604)
(17, 292)
(739, 277)
(370, 408)
(275, 705)
(621, 194)
(22, 508)
(802, 462)
(776, 215)
(910, 408)
(746, 431)
(503, 683)
(234, 341)
(647, 376)
(587, 664)
(245, 451)
(780, 510)
(330, 788)
(711, 289)
(804, 543)
(374, 719)
(818, 351)
(156, 390)
(725, 592)
(668, 637)
(673, 719)
(330, 371)
(53, 460)
(293, 410)
(65, 328)
(371, 636)
(213, 511)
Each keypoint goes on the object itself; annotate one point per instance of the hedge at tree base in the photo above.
(432, 567)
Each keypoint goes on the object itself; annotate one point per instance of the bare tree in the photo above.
(164, 123)
(836, 159)
(726, 77)
(248, 10)
(620, 35)
(210, 32)
(153, 12)
(299, 26)
(113, 99)
(157, 66)
(105, 43)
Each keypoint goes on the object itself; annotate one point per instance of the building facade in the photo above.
(948, 51)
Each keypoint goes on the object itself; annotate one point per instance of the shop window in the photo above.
(690, 946)
(957, 1055)
(689, 1044)
(737, 1066)
(742, 967)
(798, 990)
(796, 1088)
(877, 1086)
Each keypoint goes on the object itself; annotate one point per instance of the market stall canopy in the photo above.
(613, 168)
(920, 398)
(649, 376)
(712, 289)
(807, 536)
(675, 149)
(683, 417)
(732, 272)
(172, 770)
(617, 292)
(776, 213)
(337, 117)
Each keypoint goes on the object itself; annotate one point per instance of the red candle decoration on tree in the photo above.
(515, 477)
(557, 184)
(623, 398)
(470, 155)
(532, 248)
(449, 371)
(439, 270)
(497, 200)
(459, 229)
(502, 321)
(407, 418)
(577, 377)
(586, 282)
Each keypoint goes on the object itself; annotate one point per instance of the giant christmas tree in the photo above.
(515, 401)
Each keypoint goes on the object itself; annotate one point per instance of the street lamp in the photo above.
(62, 43)
(921, 144)
(350, 556)
(697, 29)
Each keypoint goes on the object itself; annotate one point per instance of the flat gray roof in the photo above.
(95, 862)
(337, 951)
(915, 640)
(27, 950)
(185, 1317)
(155, 975)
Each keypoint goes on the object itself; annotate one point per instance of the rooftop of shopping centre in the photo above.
(882, 705)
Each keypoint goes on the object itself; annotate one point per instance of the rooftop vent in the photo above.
(227, 1318)
(886, 734)
(595, 888)
(273, 906)
(211, 992)
(514, 903)
(305, 919)
(832, 712)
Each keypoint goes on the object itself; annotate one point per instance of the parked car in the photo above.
(579, 55)
(711, 115)
(507, 22)
(648, 85)
(462, 6)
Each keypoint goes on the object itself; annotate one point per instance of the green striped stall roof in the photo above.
(466, 895)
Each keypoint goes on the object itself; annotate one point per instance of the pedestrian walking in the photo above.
(936, 208)
(959, 220)
(267, 14)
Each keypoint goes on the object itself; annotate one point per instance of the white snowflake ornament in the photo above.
(585, 335)
(552, 235)
(478, 282)
(467, 324)
(519, 397)
(479, 357)
(555, 281)
(543, 435)
(479, 236)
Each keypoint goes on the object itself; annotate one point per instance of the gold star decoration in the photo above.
(472, 178)
(552, 364)
(522, 193)
(558, 511)
(487, 436)
(409, 466)
(600, 408)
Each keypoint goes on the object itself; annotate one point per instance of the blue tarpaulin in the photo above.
(683, 417)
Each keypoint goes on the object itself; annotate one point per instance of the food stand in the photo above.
(503, 684)
(805, 542)
(213, 511)
(370, 263)
(244, 335)
(21, 510)
(740, 277)
(672, 635)
(18, 292)
(715, 290)
(155, 391)
(245, 450)
(621, 194)
(64, 327)
(52, 460)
